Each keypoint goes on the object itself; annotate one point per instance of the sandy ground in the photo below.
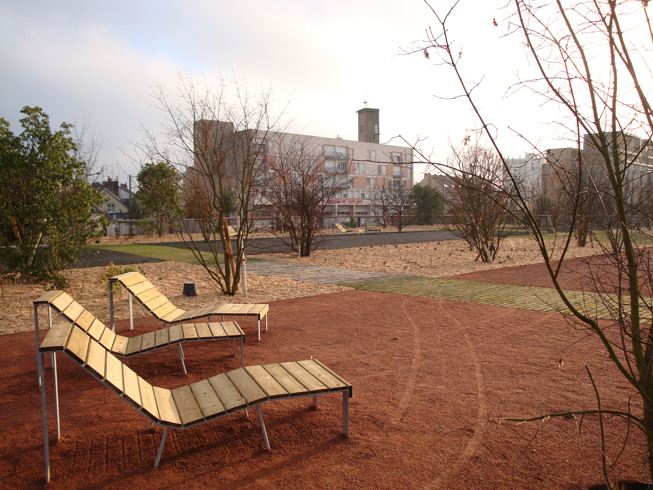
(431, 259)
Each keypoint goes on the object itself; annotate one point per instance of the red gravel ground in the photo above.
(575, 274)
(429, 378)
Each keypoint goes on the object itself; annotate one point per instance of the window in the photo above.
(381, 169)
(350, 184)
(330, 166)
(341, 167)
(329, 151)
(362, 194)
(361, 167)
(396, 171)
(396, 157)
(371, 155)
(369, 182)
(341, 151)
(260, 164)
(344, 194)
(340, 181)
(259, 145)
(357, 194)
(111, 208)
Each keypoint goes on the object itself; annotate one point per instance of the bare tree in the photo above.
(381, 203)
(215, 138)
(590, 63)
(88, 150)
(402, 205)
(478, 202)
(549, 210)
(393, 204)
(297, 191)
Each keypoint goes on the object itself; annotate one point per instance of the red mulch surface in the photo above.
(580, 274)
(430, 379)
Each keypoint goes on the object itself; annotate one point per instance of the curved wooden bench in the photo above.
(122, 346)
(195, 403)
(162, 308)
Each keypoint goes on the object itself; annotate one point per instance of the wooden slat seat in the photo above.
(342, 229)
(122, 346)
(164, 310)
(192, 404)
(372, 227)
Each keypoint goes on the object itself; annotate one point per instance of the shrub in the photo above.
(115, 270)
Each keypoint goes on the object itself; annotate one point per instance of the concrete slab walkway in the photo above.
(312, 273)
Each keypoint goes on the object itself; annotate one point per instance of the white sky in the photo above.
(98, 61)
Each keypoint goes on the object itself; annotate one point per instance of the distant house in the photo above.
(118, 197)
(441, 183)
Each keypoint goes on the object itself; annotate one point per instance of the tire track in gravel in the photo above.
(409, 386)
(475, 441)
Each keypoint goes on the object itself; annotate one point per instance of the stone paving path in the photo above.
(509, 296)
(312, 273)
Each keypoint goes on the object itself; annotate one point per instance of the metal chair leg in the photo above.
(44, 408)
(39, 358)
(163, 442)
(131, 311)
(345, 413)
(265, 434)
(112, 322)
(315, 401)
(181, 358)
(56, 394)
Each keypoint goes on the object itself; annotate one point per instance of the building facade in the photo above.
(357, 168)
(117, 198)
(561, 167)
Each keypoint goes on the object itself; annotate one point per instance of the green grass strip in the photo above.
(157, 252)
(172, 254)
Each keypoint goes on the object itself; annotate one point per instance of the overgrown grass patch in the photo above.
(155, 251)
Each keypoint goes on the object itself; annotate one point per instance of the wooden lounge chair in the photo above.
(342, 229)
(233, 234)
(158, 305)
(75, 313)
(372, 227)
(192, 404)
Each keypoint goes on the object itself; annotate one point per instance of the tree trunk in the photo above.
(648, 427)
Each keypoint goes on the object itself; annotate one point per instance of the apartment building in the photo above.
(560, 168)
(357, 168)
